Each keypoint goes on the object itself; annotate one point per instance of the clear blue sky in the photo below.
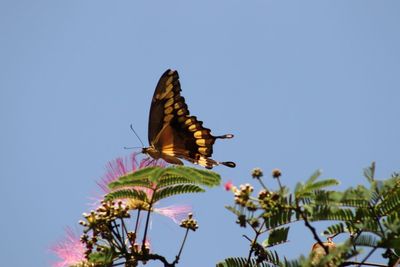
(302, 84)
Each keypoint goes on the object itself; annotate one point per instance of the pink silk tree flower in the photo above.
(122, 166)
(228, 185)
(175, 212)
(71, 250)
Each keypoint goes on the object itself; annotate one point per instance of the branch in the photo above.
(348, 263)
(312, 229)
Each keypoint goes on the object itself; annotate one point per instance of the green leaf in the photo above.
(200, 177)
(140, 174)
(307, 190)
(130, 183)
(104, 258)
(273, 220)
(271, 260)
(335, 229)
(127, 194)
(276, 236)
(321, 184)
(332, 213)
(366, 241)
(369, 172)
(242, 262)
(171, 180)
(390, 203)
(233, 210)
(313, 178)
(176, 190)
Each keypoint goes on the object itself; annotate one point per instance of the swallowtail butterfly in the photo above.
(173, 133)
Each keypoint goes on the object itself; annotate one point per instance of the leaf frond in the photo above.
(127, 194)
(176, 190)
(276, 236)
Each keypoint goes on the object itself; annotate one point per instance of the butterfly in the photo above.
(173, 133)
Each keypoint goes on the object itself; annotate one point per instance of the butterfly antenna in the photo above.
(132, 147)
(133, 130)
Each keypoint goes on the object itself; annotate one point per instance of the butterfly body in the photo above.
(173, 133)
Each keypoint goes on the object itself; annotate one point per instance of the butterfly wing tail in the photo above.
(225, 136)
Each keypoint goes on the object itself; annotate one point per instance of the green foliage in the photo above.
(127, 194)
(311, 186)
(278, 218)
(276, 237)
(271, 259)
(105, 258)
(242, 262)
(152, 184)
(368, 215)
(176, 190)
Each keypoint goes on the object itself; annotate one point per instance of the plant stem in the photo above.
(180, 250)
(137, 221)
(368, 255)
(262, 183)
(348, 263)
(312, 229)
(258, 233)
(279, 183)
(147, 222)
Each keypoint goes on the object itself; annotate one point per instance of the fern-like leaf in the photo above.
(127, 194)
(321, 184)
(366, 241)
(390, 203)
(369, 172)
(170, 180)
(270, 259)
(176, 190)
(233, 210)
(200, 177)
(129, 183)
(335, 229)
(276, 237)
(330, 213)
(277, 219)
(242, 262)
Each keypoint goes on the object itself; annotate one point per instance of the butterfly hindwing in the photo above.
(173, 133)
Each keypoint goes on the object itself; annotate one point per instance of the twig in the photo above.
(180, 250)
(368, 255)
(348, 263)
(312, 229)
(147, 222)
(137, 221)
(262, 183)
(279, 183)
(258, 233)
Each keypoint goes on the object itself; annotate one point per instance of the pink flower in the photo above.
(71, 250)
(228, 185)
(175, 213)
(122, 166)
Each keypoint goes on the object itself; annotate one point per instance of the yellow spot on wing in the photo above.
(169, 102)
(169, 80)
(201, 142)
(181, 112)
(178, 105)
(192, 127)
(168, 110)
(168, 117)
(189, 121)
(203, 150)
(198, 134)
